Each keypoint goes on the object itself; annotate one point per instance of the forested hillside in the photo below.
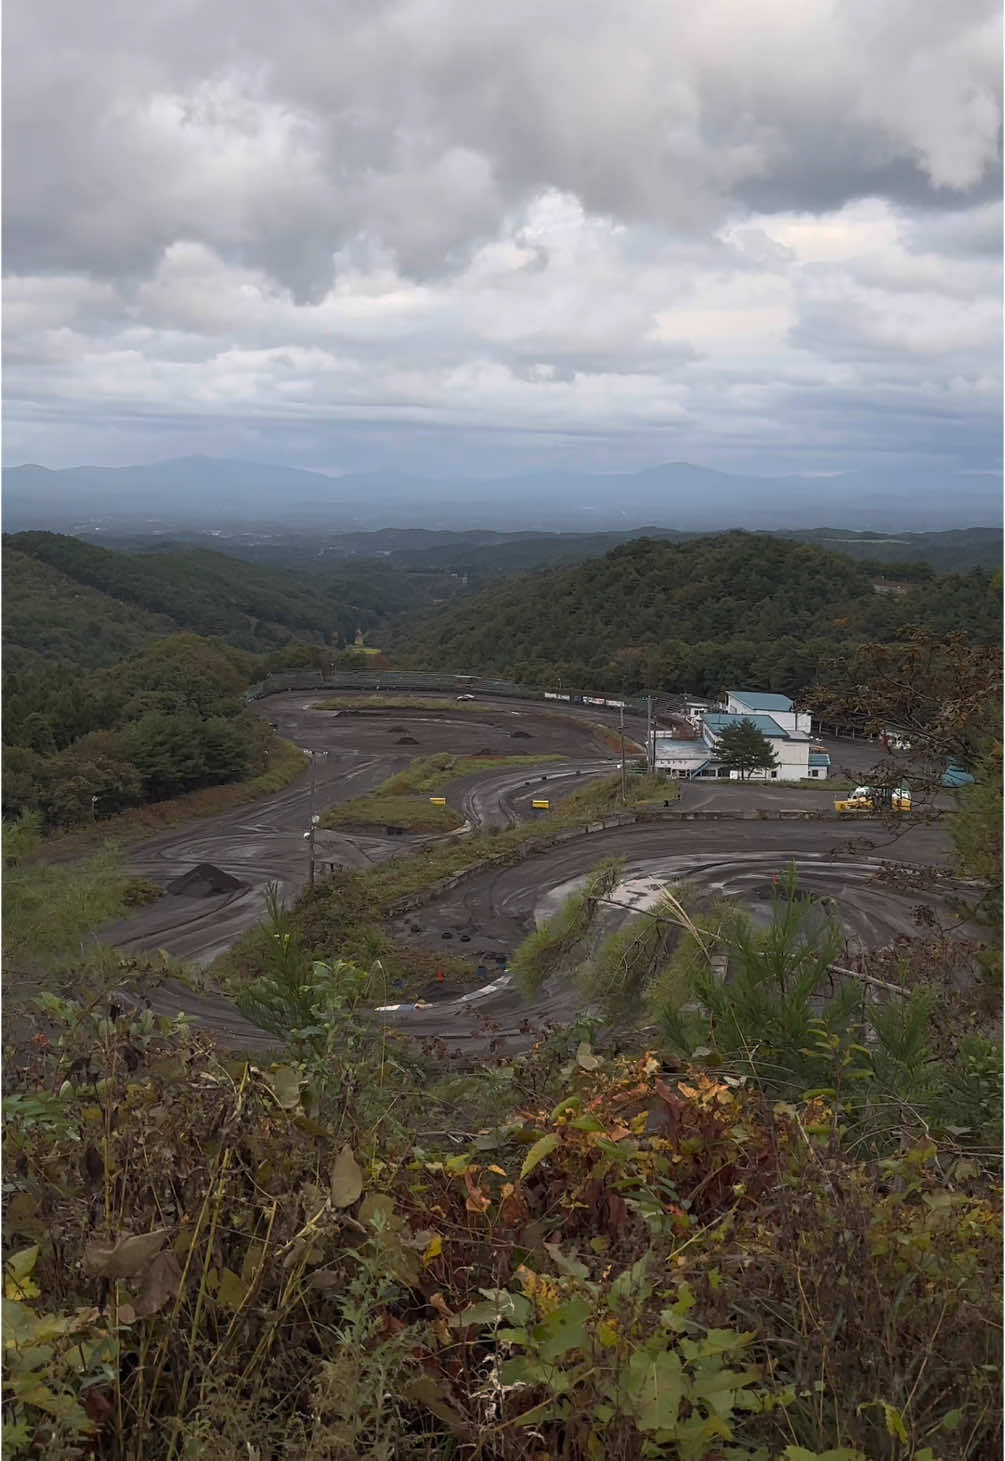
(106, 705)
(481, 563)
(695, 616)
(398, 571)
(65, 598)
(50, 616)
(167, 720)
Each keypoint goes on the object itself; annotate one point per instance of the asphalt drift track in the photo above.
(496, 908)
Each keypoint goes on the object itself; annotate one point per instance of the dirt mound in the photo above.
(203, 881)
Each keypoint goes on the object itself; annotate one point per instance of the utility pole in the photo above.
(650, 737)
(624, 786)
(315, 819)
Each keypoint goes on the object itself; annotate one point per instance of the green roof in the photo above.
(761, 700)
(720, 720)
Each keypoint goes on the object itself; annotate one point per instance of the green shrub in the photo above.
(623, 1263)
(552, 944)
(777, 1014)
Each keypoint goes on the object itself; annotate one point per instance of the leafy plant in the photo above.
(615, 1377)
(626, 1263)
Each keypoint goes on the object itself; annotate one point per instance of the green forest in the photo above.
(482, 563)
(255, 596)
(695, 616)
(168, 719)
(55, 600)
(124, 672)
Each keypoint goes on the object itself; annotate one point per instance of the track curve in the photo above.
(497, 908)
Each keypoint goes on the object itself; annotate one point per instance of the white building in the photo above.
(779, 707)
(793, 748)
(786, 729)
(681, 758)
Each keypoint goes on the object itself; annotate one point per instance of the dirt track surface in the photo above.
(495, 910)
(264, 843)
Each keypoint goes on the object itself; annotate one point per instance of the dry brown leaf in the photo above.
(439, 1303)
(127, 1256)
(161, 1283)
(477, 1201)
(326, 1278)
(347, 1179)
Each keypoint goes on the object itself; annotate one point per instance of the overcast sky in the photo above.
(760, 235)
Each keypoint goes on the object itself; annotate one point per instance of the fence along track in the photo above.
(381, 681)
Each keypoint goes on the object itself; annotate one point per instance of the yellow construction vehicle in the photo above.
(876, 799)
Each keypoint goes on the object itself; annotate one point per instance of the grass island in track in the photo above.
(404, 799)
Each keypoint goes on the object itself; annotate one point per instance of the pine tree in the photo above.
(743, 748)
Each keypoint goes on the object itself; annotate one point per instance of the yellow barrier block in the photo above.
(541, 806)
(438, 801)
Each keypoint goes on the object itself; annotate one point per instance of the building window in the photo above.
(814, 772)
(774, 775)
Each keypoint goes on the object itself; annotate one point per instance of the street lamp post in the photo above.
(315, 818)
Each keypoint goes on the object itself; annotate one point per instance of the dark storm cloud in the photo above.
(277, 137)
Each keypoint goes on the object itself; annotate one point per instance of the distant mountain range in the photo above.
(221, 495)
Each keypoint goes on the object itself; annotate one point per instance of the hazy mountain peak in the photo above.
(224, 492)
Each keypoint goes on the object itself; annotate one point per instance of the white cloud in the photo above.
(575, 218)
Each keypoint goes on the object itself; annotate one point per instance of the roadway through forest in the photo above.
(495, 909)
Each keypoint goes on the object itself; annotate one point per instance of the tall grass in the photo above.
(544, 951)
(414, 813)
(624, 964)
(51, 910)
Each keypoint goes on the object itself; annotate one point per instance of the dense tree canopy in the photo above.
(107, 705)
(169, 719)
(694, 617)
(73, 600)
(50, 616)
